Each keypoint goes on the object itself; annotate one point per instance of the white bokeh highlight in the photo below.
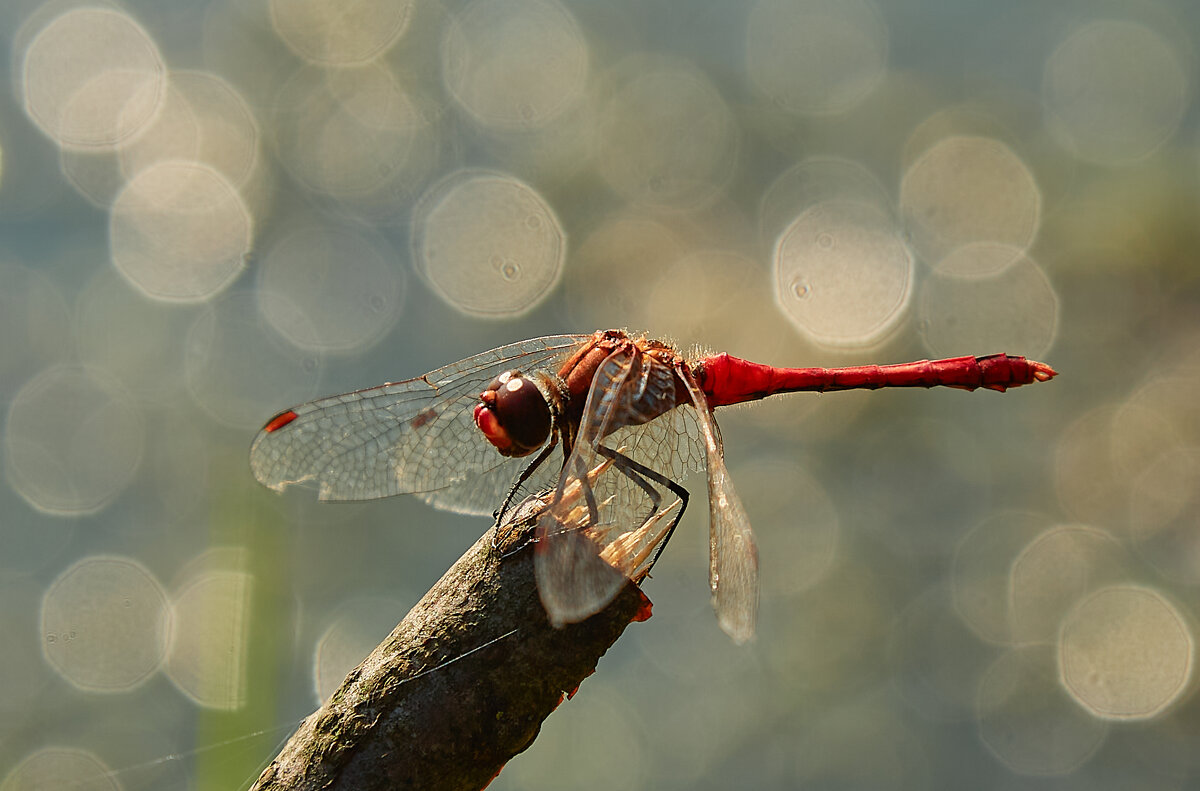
(106, 624)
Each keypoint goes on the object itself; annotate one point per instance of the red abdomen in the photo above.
(730, 380)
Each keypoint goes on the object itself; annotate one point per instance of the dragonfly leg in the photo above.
(589, 496)
(498, 515)
(638, 473)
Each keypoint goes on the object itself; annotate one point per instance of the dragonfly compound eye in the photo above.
(512, 413)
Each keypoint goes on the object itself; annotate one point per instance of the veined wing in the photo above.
(671, 444)
(416, 436)
(646, 421)
(608, 517)
(483, 493)
(733, 556)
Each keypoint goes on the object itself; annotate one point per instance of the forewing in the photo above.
(650, 427)
(668, 444)
(602, 528)
(573, 581)
(582, 563)
(416, 436)
(733, 556)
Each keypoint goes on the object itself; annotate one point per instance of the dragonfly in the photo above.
(629, 417)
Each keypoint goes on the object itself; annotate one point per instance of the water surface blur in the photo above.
(211, 211)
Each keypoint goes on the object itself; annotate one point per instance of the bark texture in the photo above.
(460, 686)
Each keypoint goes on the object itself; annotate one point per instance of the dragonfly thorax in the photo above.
(513, 414)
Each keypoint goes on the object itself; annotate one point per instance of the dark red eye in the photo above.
(512, 413)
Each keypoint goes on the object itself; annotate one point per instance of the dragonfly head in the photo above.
(513, 414)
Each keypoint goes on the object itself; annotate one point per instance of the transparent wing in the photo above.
(733, 556)
(646, 421)
(483, 493)
(416, 436)
(594, 575)
(670, 444)
(613, 521)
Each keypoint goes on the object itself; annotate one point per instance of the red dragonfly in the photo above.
(630, 415)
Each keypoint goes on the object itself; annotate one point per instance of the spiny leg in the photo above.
(581, 479)
(517, 484)
(638, 473)
(629, 467)
(589, 496)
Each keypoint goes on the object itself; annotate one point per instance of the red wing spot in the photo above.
(423, 418)
(279, 421)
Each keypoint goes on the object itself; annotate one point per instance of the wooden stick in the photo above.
(460, 686)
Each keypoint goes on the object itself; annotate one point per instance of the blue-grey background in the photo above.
(212, 211)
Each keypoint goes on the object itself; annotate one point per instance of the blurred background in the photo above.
(212, 211)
